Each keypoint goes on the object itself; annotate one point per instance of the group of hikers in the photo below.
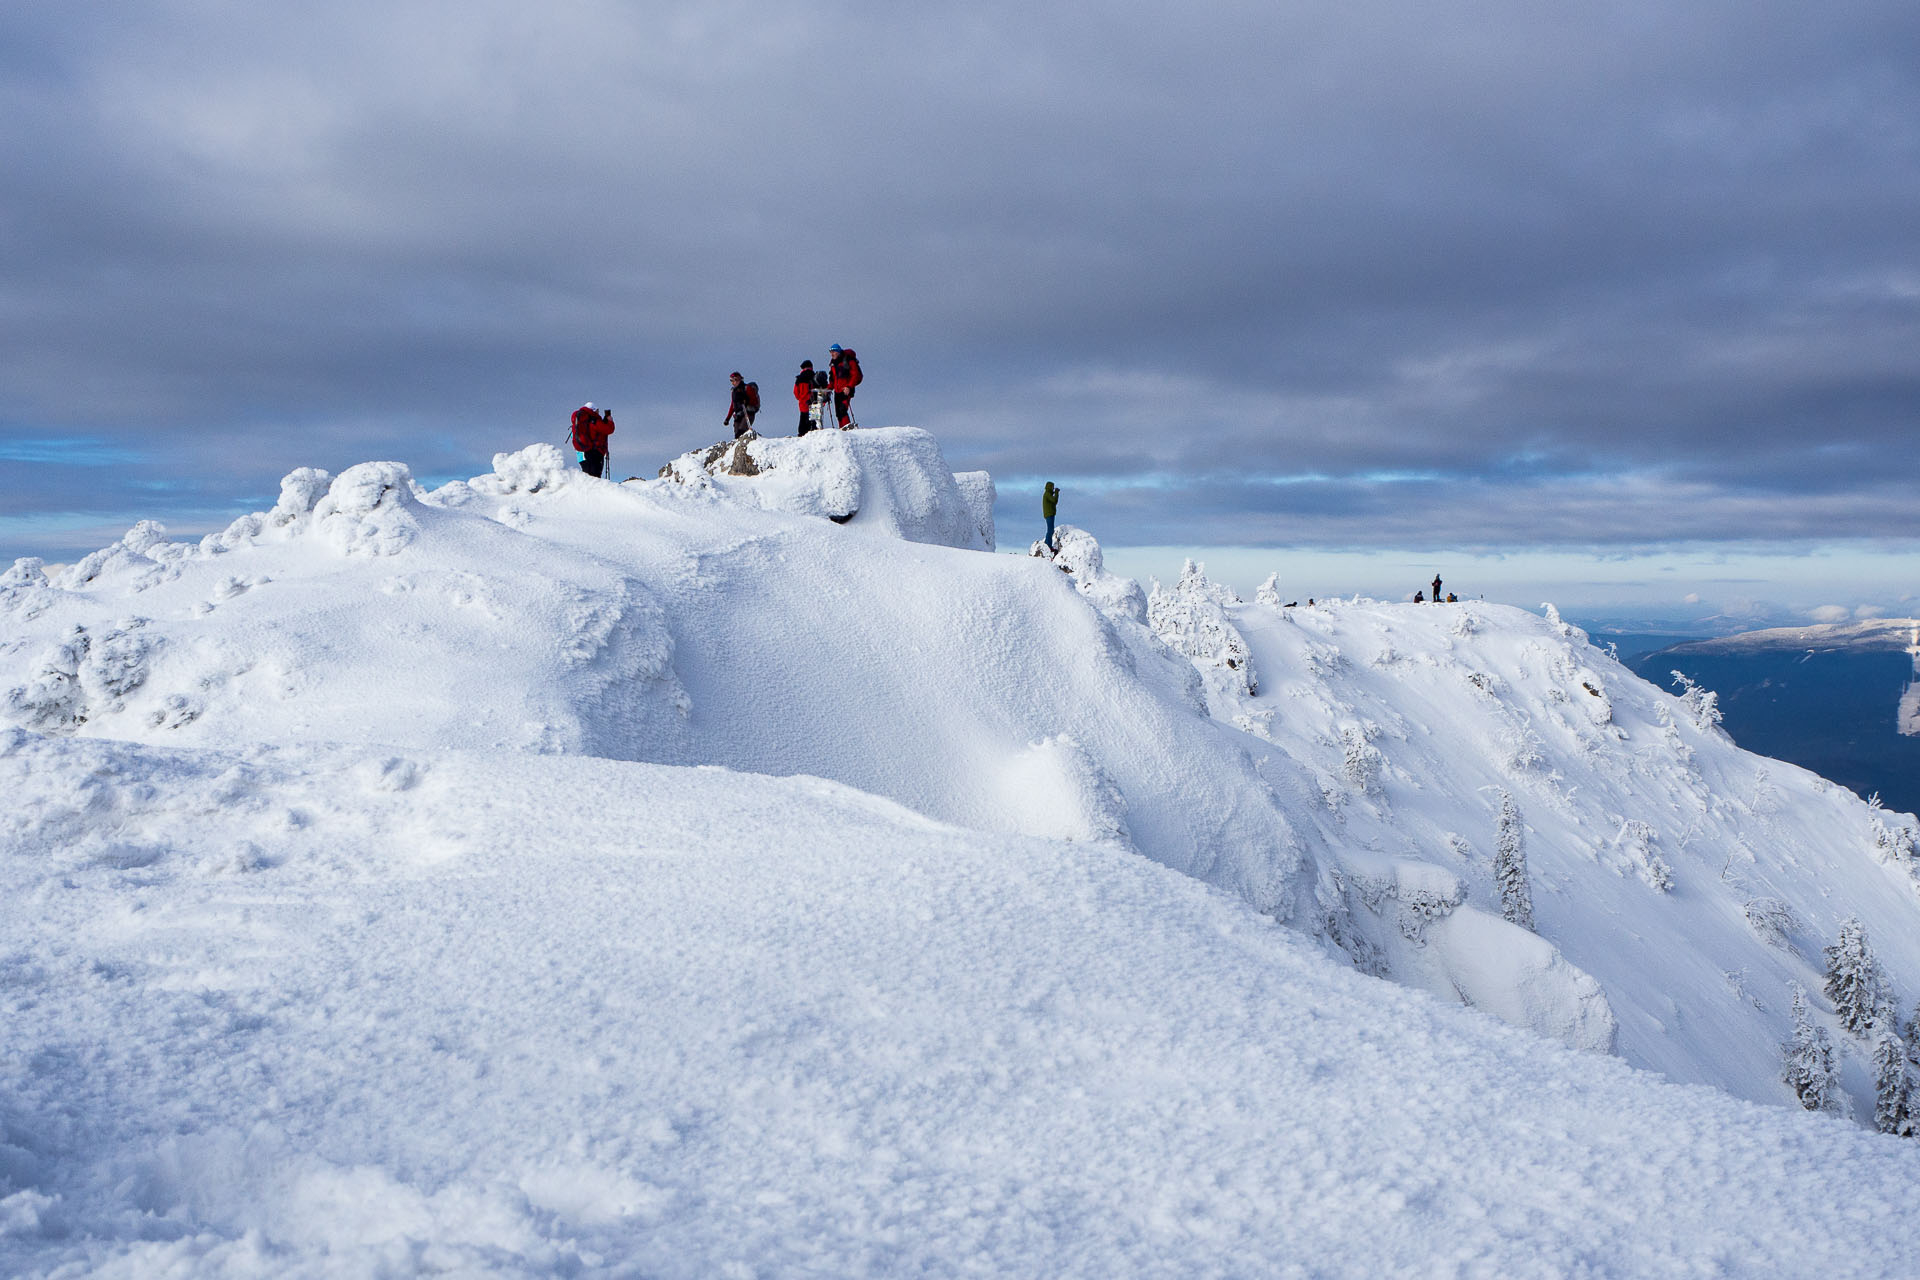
(812, 391)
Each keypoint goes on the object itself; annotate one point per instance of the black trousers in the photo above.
(806, 423)
(593, 461)
(842, 406)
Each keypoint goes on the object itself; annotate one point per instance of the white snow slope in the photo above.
(547, 876)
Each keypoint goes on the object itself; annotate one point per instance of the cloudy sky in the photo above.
(1636, 281)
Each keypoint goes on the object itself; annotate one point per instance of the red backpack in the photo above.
(850, 364)
(753, 396)
(588, 435)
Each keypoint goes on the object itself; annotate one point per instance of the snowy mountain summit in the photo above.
(743, 871)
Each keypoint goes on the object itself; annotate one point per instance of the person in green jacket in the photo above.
(1049, 506)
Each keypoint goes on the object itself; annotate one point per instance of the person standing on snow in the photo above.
(1436, 588)
(591, 427)
(845, 375)
(745, 406)
(1049, 507)
(803, 395)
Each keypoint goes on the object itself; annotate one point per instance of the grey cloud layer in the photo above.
(1437, 260)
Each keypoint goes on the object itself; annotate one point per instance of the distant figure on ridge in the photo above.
(1049, 507)
(803, 395)
(1436, 588)
(745, 406)
(591, 427)
(1419, 597)
(844, 369)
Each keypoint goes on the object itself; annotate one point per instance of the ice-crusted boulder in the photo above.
(538, 468)
(891, 480)
(1079, 554)
(369, 510)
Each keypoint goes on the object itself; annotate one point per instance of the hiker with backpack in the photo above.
(745, 406)
(803, 388)
(591, 427)
(844, 376)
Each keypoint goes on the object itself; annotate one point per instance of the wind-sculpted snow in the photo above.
(536, 609)
(286, 704)
(299, 1012)
(892, 480)
(356, 612)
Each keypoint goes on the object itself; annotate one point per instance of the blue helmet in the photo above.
(835, 348)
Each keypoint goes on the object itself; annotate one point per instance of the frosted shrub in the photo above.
(1269, 592)
(1635, 841)
(1772, 921)
(1510, 865)
(1809, 1069)
(1703, 705)
(1362, 761)
(1895, 842)
(1855, 982)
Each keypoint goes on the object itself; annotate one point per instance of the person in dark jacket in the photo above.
(744, 408)
(803, 395)
(1049, 507)
(1436, 588)
(591, 427)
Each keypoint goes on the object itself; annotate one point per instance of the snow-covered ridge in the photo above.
(1338, 767)
(373, 684)
(1873, 634)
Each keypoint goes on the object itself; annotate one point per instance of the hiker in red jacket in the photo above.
(844, 376)
(803, 395)
(591, 427)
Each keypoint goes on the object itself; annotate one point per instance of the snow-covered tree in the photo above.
(1362, 761)
(1510, 865)
(1191, 617)
(1855, 982)
(1703, 705)
(1809, 1069)
(1892, 1083)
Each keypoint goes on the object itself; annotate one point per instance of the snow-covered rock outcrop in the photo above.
(889, 479)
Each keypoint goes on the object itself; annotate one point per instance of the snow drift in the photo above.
(373, 691)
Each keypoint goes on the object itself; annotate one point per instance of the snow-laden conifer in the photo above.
(1855, 982)
(1809, 1068)
(1703, 705)
(1510, 865)
(1892, 1083)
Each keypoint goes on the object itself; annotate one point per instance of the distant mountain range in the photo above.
(1840, 699)
(1875, 635)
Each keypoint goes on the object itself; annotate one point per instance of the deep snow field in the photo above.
(744, 873)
